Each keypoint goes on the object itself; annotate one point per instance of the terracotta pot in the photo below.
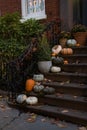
(63, 42)
(80, 37)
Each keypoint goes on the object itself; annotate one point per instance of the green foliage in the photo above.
(15, 36)
(79, 28)
(31, 28)
(44, 49)
(10, 26)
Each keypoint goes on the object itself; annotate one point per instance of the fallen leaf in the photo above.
(30, 120)
(62, 125)
(75, 97)
(59, 94)
(64, 111)
(43, 120)
(68, 81)
(0, 96)
(62, 83)
(32, 117)
(82, 128)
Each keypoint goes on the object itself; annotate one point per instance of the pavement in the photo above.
(14, 119)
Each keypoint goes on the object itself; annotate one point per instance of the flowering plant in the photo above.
(79, 28)
(64, 34)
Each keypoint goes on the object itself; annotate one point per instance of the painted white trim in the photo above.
(37, 15)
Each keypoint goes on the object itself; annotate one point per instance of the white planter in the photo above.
(44, 66)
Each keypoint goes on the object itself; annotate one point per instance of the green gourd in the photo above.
(49, 90)
(38, 88)
(57, 61)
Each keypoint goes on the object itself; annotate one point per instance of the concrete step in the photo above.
(80, 50)
(75, 58)
(69, 88)
(81, 67)
(74, 116)
(65, 76)
(63, 100)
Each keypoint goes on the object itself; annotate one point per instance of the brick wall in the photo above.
(10, 6)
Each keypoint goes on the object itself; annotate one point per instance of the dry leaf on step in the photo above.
(82, 128)
(61, 125)
(64, 111)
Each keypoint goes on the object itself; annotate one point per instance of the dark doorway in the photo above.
(80, 12)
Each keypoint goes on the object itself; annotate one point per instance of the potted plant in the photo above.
(44, 55)
(63, 37)
(79, 33)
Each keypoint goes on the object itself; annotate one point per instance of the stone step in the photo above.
(80, 67)
(74, 116)
(75, 58)
(80, 50)
(65, 76)
(68, 88)
(63, 100)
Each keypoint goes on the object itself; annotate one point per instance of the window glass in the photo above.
(33, 9)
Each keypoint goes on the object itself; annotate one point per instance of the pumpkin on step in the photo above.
(56, 49)
(32, 100)
(38, 88)
(38, 77)
(21, 98)
(67, 51)
(49, 90)
(55, 69)
(29, 84)
(57, 61)
(71, 42)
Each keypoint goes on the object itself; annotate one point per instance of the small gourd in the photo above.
(38, 77)
(67, 51)
(55, 69)
(21, 98)
(31, 100)
(71, 42)
(49, 90)
(57, 61)
(29, 84)
(56, 49)
(38, 88)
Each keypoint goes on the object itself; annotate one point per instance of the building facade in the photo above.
(68, 11)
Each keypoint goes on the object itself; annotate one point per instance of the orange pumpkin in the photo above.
(53, 54)
(65, 61)
(67, 51)
(29, 84)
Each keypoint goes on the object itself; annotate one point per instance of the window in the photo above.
(33, 9)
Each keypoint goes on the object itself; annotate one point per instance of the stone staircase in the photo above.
(69, 103)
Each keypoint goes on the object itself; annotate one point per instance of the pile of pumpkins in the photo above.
(57, 50)
(34, 85)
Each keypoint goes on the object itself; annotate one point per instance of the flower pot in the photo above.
(80, 37)
(44, 66)
(63, 42)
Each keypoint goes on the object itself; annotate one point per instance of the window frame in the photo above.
(36, 15)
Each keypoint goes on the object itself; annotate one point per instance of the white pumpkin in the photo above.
(32, 100)
(38, 77)
(56, 49)
(55, 69)
(21, 98)
(71, 42)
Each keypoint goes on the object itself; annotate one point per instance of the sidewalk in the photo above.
(13, 119)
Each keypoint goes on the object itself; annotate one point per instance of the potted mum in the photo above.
(63, 37)
(79, 33)
(44, 55)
